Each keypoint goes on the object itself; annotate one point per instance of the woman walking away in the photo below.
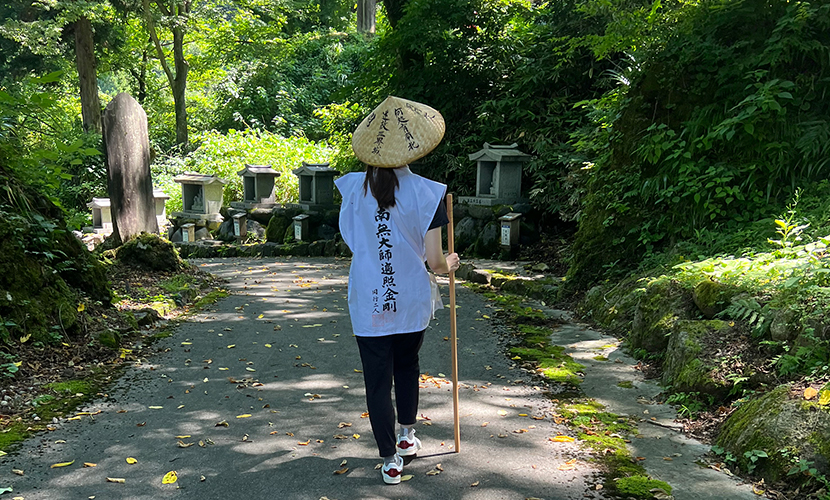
(391, 219)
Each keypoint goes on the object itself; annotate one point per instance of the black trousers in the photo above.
(384, 359)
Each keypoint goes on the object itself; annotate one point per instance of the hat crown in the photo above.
(397, 132)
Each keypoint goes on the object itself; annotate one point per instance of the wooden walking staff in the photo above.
(453, 337)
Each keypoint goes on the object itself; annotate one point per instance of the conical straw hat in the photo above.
(397, 132)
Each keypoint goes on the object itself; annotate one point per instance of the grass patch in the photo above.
(640, 486)
(210, 298)
(66, 397)
(77, 386)
(177, 283)
(626, 384)
(600, 358)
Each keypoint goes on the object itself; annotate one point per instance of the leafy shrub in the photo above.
(227, 154)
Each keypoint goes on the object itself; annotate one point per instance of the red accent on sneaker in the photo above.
(405, 444)
(393, 472)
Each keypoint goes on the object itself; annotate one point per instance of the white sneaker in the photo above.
(408, 445)
(391, 472)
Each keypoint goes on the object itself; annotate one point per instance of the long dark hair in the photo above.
(382, 182)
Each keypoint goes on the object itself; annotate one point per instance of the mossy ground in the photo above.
(59, 400)
(603, 433)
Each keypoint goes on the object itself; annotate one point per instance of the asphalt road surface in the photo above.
(260, 397)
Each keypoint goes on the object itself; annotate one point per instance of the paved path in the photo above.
(277, 362)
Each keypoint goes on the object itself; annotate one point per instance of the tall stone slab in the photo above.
(130, 185)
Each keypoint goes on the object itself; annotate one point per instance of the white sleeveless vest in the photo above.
(389, 288)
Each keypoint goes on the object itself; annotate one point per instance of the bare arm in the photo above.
(439, 263)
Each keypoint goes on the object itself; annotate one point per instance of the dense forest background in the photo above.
(666, 126)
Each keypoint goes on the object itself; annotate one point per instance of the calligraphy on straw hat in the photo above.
(397, 132)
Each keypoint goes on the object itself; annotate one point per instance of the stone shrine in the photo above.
(201, 198)
(161, 211)
(498, 175)
(316, 185)
(257, 187)
(101, 216)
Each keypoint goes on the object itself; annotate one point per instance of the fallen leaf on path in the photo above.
(182, 444)
(155, 407)
(356, 436)
(340, 436)
(170, 478)
(562, 439)
(183, 436)
(222, 423)
(223, 369)
(289, 434)
(116, 480)
(17, 471)
(378, 466)
(131, 460)
(502, 412)
(365, 414)
(250, 369)
(474, 484)
(90, 464)
(244, 415)
(61, 464)
(407, 477)
(485, 424)
(824, 397)
(344, 424)
(569, 465)
(358, 371)
(342, 471)
(303, 443)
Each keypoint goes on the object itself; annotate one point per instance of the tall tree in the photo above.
(87, 75)
(366, 16)
(176, 16)
(43, 28)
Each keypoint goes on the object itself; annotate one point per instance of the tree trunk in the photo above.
(85, 62)
(178, 81)
(366, 10)
(394, 11)
(180, 85)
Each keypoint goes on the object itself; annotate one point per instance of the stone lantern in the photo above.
(316, 185)
(258, 186)
(498, 175)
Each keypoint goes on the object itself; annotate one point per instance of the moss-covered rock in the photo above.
(661, 305)
(712, 297)
(785, 428)
(275, 232)
(613, 307)
(150, 251)
(684, 369)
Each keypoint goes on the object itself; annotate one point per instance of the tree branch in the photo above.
(151, 27)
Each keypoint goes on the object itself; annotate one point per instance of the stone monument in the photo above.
(130, 186)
